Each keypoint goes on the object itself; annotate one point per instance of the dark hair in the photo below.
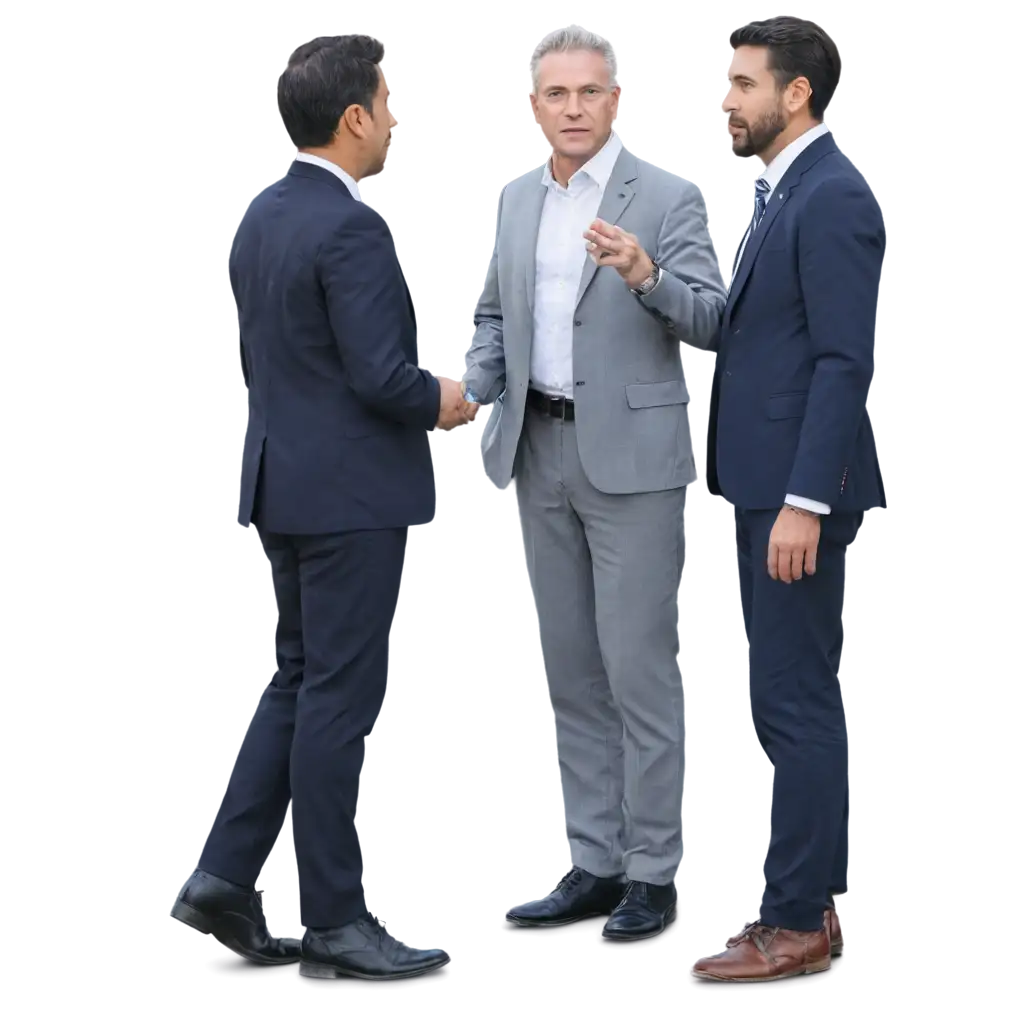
(796, 49)
(323, 79)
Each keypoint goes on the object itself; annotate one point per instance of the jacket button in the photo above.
(579, 383)
(577, 323)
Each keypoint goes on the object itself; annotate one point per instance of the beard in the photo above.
(378, 165)
(760, 135)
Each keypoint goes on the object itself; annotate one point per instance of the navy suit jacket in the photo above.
(796, 348)
(338, 409)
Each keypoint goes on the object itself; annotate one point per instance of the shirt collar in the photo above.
(775, 171)
(350, 182)
(598, 168)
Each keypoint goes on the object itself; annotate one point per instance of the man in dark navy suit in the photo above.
(790, 446)
(336, 467)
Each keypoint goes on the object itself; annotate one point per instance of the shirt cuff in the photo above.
(809, 503)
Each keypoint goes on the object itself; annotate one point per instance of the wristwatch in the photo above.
(648, 286)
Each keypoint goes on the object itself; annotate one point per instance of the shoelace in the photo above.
(384, 939)
(570, 881)
(761, 935)
(640, 888)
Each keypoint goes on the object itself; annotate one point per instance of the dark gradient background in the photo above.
(133, 619)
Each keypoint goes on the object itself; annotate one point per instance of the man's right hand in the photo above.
(455, 410)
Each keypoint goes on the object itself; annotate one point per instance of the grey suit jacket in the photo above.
(629, 390)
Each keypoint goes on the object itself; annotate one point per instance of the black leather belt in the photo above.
(560, 408)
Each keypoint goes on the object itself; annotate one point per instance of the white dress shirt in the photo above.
(317, 161)
(773, 174)
(561, 256)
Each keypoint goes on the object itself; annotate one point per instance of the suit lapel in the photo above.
(529, 226)
(790, 180)
(618, 194)
(756, 240)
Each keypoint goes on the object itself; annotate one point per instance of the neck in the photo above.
(346, 161)
(564, 167)
(792, 132)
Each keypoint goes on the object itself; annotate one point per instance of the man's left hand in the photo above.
(610, 246)
(793, 545)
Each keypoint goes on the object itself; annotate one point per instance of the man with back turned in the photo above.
(790, 446)
(336, 467)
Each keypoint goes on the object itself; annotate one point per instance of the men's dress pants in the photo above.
(605, 572)
(795, 632)
(336, 598)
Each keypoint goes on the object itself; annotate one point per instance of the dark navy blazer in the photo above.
(338, 409)
(796, 350)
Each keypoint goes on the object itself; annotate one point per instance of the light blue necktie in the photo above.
(761, 190)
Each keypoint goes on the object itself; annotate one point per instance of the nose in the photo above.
(572, 108)
(729, 103)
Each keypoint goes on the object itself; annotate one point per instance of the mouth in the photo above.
(735, 129)
(575, 131)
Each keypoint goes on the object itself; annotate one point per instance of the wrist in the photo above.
(645, 277)
(800, 511)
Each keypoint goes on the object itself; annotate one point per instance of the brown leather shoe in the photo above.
(760, 953)
(835, 933)
(835, 921)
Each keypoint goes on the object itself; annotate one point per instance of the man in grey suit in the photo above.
(601, 266)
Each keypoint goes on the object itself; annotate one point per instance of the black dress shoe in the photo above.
(363, 949)
(645, 910)
(234, 916)
(577, 896)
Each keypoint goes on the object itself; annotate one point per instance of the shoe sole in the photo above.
(552, 923)
(311, 969)
(669, 918)
(815, 968)
(837, 950)
(187, 914)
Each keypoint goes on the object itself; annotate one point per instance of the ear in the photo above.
(534, 112)
(798, 93)
(356, 119)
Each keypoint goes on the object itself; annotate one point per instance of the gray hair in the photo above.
(574, 37)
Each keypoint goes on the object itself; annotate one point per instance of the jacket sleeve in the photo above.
(841, 246)
(230, 290)
(368, 311)
(483, 363)
(690, 296)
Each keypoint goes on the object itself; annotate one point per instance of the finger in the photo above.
(797, 565)
(786, 564)
(811, 559)
(613, 230)
(601, 241)
(773, 560)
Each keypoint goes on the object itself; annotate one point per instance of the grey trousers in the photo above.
(605, 572)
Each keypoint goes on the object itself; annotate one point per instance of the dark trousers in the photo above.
(336, 598)
(795, 632)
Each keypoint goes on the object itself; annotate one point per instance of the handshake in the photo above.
(455, 410)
